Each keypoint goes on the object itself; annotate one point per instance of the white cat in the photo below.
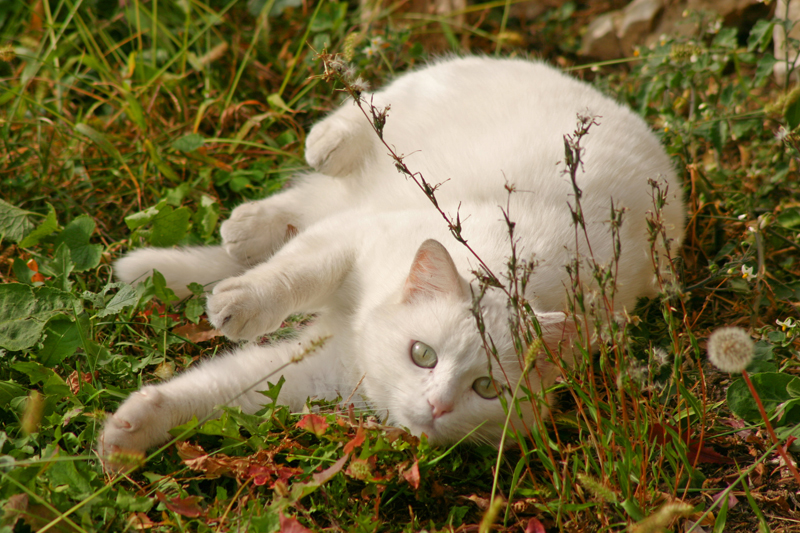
(365, 250)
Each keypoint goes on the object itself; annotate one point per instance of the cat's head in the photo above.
(426, 367)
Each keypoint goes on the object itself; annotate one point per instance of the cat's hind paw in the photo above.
(141, 422)
(244, 310)
(339, 146)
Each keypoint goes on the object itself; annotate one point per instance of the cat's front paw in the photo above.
(141, 422)
(244, 310)
(338, 146)
(255, 231)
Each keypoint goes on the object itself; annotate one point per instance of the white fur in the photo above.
(353, 246)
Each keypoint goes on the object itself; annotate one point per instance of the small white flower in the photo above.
(374, 48)
(730, 349)
(693, 58)
(742, 217)
(781, 134)
(751, 229)
(747, 272)
(786, 324)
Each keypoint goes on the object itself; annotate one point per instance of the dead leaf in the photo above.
(200, 332)
(188, 507)
(74, 382)
(534, 526)
(13, 509)
(291, 525)
(696, 452)
(412, 475)
(482, 503)
(140, 521)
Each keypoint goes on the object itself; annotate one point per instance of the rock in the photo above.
(642, 22)
(638, 19)
(782, 48)
(600, 40)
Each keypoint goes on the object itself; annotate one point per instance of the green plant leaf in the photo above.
(135, 111)
(760, 36)
(169, 227)
(36, 373)
(789, 218)
(189, 143)
(48, 226)
(10, 390)
(206, 216)
(141, 218)
(792, 114)
(76, 235)
(14, 222)
(100, 140)
(62, 339)
(772, 388)
(125, 297)
(24, 311)
(793, 388)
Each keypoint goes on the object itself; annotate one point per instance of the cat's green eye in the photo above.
(485, 388)
(423, 355)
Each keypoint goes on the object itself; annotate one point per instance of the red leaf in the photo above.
(331, 471)
(188, 506)
(412, 475)
(534, 526)
(291, 525)
(313, 423)
(32, 265)
(357, 441)
(284, 473)
(261, 474)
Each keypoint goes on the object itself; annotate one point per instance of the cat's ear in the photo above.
(433, 273)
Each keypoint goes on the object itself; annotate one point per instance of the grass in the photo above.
(144, 123)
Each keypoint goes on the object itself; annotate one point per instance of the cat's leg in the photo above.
(205, 265)
(304, 276)
(256, 230)
(343, 142)
(145, 418)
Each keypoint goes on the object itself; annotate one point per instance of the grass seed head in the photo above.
(730, 349)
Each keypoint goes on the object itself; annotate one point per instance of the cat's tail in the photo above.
(205, 265)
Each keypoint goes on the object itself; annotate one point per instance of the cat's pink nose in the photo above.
(439, 408)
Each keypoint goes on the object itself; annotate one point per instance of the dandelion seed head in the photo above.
(660, 355)
(360, 84)
(730, 349)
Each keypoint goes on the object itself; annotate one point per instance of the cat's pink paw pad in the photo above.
(139, 423)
